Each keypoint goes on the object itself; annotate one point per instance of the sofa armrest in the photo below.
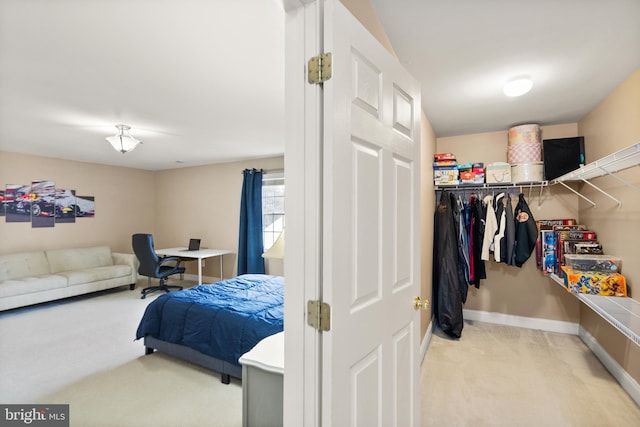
(127, 259)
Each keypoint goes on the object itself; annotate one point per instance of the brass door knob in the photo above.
(419, 303)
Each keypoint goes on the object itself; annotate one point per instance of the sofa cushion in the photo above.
(30, 285)
(79, 259)
(27, 264)
(90, 275)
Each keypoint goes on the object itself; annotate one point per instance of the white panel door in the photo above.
(370, 231)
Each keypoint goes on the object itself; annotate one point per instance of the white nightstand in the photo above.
(262, 375)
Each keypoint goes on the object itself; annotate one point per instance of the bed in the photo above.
(213, 325)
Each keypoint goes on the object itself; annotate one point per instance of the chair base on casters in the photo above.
(161, 287)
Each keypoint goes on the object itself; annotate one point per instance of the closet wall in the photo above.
(611, 126)
(511, 290)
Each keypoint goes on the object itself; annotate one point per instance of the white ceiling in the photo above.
(202, 81)
(463, 51)
(199, 81)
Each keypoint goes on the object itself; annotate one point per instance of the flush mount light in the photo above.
(122, 141)
(518, 86)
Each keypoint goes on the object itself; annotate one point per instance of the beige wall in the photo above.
(204, 202)
(511, 290)
(173, 205)
(611, 126)
(427, 203)
(125, 203)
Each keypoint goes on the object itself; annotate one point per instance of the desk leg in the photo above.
(199, 271)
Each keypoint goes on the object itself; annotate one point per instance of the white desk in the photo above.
(199, 255)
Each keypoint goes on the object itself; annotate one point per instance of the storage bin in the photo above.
(524, 134)
(593, 262)
(522, 153)
(594, 283)
(527, 172)
(498, 172)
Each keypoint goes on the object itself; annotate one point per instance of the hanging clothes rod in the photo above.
(476, 187)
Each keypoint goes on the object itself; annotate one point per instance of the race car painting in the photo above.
(44, 205)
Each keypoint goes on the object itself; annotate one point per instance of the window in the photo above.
(272, 207)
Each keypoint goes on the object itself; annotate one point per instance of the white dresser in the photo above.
(262, 376)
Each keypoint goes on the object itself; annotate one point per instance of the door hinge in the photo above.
(319, 68)
(319, 315)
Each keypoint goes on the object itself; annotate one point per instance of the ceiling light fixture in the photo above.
(122, 141)
(518, 86)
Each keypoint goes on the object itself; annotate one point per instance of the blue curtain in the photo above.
(250, 246)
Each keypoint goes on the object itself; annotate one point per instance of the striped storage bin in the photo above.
(524, 144)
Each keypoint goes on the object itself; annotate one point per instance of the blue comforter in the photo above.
(223, 320)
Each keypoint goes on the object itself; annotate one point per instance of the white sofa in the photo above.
(34, 277)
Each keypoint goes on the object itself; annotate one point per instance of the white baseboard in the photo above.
(627, 382)
(425, 342)
(522, 322)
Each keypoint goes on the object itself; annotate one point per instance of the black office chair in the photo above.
(153, 266)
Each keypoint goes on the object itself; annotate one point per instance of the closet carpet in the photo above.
(499, 375)
(81, 351)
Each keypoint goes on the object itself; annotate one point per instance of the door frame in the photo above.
(303, 208)
(303, 174)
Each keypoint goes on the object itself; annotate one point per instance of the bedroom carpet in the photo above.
(498, 375)
(82, 352)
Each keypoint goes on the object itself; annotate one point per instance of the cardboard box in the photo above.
(548, 251)
(595, 283)
(573, 227)
(576, 235)
(548, 224)
(443, 156)
(592, 248)
(471, 177)
(544, 223)
(446, 176)
(445, 163)
(599, 263)
(566, 246)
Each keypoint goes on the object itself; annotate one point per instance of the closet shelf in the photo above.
(622, 313)
(500, 186)
(620, 160)
(609, 165)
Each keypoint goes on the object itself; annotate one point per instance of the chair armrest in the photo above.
(127, 259)
(169, 259)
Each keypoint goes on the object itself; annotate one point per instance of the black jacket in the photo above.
(447, 280)
(526, 231)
